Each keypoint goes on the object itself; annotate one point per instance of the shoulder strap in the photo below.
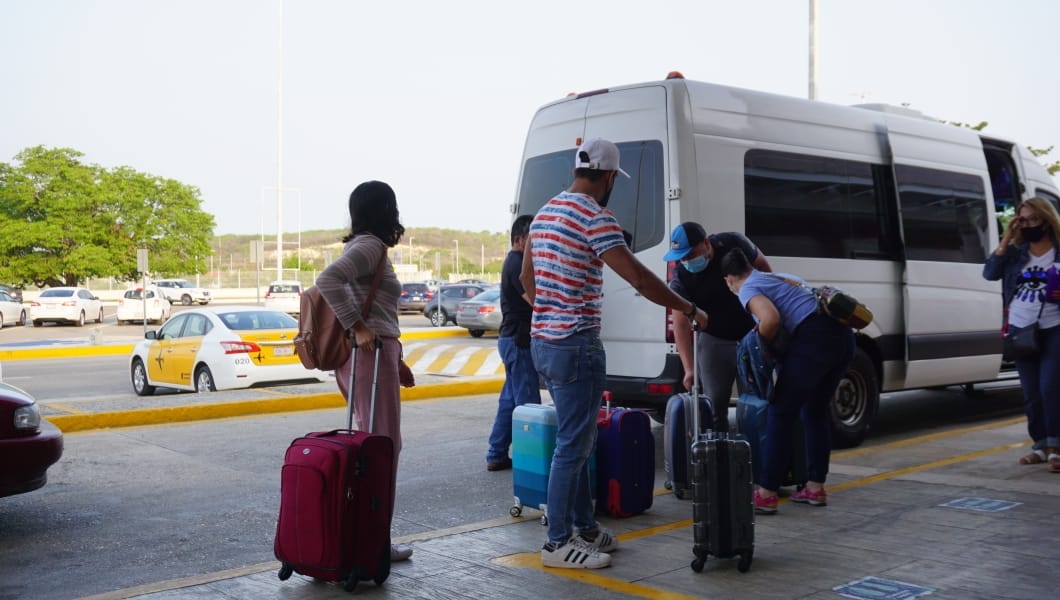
(375, 286)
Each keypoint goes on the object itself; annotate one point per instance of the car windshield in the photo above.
(261, 319)
(56, 293)
(283, 288)
(488, 295)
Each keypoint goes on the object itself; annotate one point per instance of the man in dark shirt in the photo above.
(697, 277)
(520, 382)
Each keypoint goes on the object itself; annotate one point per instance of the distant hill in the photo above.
(481, 251)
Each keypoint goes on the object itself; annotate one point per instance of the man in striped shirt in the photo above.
(571, 239)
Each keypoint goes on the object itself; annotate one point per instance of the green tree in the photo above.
(63, 221)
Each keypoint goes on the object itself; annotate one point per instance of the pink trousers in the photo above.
(387, 398)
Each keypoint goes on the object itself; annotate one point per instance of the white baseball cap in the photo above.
(598, 154)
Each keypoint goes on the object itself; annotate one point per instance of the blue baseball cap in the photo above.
(683, 238)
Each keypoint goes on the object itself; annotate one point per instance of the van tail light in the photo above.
(240, 347)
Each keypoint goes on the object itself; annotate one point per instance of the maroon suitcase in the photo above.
(335, 503)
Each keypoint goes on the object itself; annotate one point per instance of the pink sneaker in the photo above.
(765, 506)
(806, 496)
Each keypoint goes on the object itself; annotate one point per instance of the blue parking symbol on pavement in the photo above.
(875, 588)
(981, 504)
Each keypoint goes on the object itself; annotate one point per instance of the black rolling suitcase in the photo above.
(723, 523)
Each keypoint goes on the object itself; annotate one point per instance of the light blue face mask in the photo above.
(696, 264)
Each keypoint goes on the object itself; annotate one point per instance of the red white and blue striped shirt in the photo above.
(567, 237)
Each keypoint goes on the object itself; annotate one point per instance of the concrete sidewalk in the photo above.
(948, 514)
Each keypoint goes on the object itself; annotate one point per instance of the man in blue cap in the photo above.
(697, 277)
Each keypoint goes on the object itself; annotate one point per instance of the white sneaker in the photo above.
(400, 552)
(575, 554)
(604, 540)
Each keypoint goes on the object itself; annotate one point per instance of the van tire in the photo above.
(856, 400)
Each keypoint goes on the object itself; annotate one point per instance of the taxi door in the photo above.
(161, 362)
(185, 349)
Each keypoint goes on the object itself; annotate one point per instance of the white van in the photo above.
(893, 207)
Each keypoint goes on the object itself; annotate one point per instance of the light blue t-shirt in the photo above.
(794, 303)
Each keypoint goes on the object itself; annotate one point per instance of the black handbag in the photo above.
(1021, 343)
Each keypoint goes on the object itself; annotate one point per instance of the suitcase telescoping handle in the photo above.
(375, 386)
(694, 392)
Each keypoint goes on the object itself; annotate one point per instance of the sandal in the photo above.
(1034, 458)
(1054, 463)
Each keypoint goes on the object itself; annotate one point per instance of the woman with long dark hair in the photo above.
(374, 228)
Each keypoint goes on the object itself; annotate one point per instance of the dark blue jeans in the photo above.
(520, 387)
(573, 370)
(817, 358)
(1040, 380)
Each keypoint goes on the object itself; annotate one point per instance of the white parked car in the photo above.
(183, 291)
(12, 312)
(285, 296)
(217, 348)
(131, 306)
(66, 305)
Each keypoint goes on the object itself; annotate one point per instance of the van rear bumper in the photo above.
(648, 392)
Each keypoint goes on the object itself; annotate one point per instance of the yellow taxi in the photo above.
(219, 348)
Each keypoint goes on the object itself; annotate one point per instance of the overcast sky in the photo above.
(435, 97)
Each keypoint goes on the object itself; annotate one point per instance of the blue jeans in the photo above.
(520, 387)
(1040, 380)
(817, 358)
(573, 370)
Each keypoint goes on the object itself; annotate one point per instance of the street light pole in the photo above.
(412, 260)
(456, 260)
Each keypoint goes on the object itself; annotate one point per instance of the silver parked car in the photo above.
(481, 313)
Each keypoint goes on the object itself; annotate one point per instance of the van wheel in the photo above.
(855, 402)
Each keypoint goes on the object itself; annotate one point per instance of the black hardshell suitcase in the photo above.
(723, 521)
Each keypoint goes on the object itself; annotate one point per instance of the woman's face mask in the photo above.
(697, 264)
(1033, 234)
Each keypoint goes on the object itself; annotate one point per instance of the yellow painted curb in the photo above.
(219, 410)
(73, 351)
(68, 352)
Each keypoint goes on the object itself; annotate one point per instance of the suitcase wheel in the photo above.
(285, 572)
(668, 484)
(745, 561)
(350, 583)
(697, 564)
(544, 520)
(515, 510)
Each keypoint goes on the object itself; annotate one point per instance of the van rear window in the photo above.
(637, 202)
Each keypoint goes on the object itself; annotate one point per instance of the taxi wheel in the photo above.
(1, 320)
(81, 319)
(99, 319)
(139, 379)
(22, 319)
(204, 380)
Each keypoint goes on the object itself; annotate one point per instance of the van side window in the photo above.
(1051, 197)
(944, 215)
(637, 202)
(818, 207)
